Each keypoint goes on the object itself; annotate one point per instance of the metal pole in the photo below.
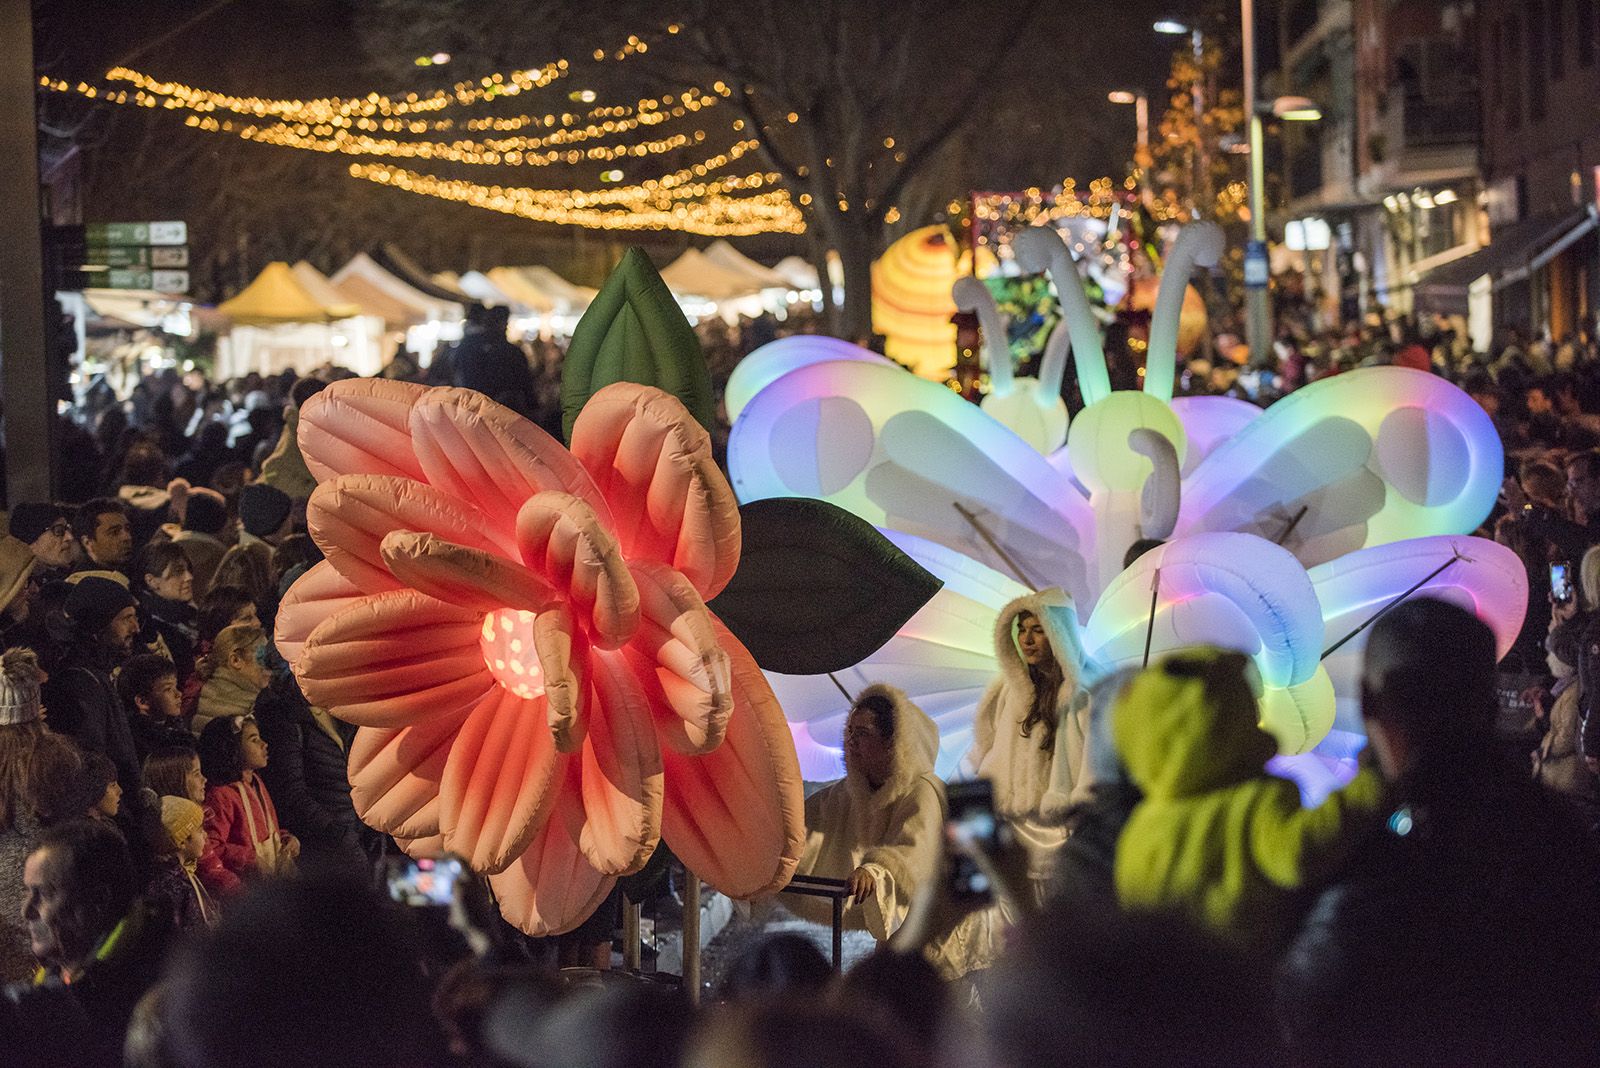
(24, 368)
(838, 933)
(1258, 309)
(1205, 201)
(1141, 116)
(691, 935)
(632, 948)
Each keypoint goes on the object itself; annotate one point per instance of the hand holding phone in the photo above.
(424, 883)
(971, 827)
(1561, 589)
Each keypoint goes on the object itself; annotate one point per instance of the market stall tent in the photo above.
(280, 324)
(426, 318)
(723, 254)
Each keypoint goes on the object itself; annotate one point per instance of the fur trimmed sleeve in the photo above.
(983, 727)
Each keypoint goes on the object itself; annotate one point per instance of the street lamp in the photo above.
(1197, 42)
(1141, 112)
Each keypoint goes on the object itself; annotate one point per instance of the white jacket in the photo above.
(1033, 786)
(892, 831)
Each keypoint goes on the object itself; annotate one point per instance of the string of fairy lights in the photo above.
(694, 199)
(713, 214)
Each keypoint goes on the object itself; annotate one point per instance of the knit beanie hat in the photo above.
(19, 687)
(16, 564)
(94, 602)
(181, 817)
(206, 511)
(30, 519)
(262, 509)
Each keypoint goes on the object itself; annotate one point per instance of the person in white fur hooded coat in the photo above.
(1029, 730)
(879, 826)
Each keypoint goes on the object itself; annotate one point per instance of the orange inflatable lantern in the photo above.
(520, 632)
(911, 302)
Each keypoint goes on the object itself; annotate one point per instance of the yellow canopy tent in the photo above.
(277, 296)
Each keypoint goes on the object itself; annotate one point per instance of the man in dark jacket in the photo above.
(100, 947)
(487, 362)
(80, 697)
(1469, 932)
(307, 773)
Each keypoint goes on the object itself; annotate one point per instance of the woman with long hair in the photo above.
(234, 674)
(1028, 734)
(34, 764)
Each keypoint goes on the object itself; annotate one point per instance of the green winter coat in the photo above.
(1215, 837)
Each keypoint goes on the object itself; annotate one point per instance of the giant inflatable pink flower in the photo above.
(521, 634)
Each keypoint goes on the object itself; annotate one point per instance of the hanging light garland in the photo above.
(340, 110)
(712, 214)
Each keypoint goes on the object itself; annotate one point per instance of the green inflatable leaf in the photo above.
(818, 588)
(635, 332)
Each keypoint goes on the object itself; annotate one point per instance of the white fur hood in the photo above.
(912, 751)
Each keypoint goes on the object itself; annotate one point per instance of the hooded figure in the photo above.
(891, 830)
(1027, 741)
(1216, 838)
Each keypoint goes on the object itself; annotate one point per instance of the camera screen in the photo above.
(424, 882)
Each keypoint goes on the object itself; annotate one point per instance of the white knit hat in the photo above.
(19, 687)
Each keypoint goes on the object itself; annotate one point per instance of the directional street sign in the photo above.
(143, 278)
(139, 233)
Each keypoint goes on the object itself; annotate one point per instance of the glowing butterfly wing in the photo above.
(1482, 576)
(1208, 422)
(1361, 459)
(777, 358)
(1232, 590)
(943, 657)
(910, 455)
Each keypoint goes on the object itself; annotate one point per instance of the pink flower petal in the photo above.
(500, 782)
(315, 596)
(429, 848)
(488, 454)
(736, 815)
(563, 654)
(562, 539)
(621, 782)
(360, 426)
(394, 659)
(679, 660)
(551, 889)
(653, 463)
(462, 576)
(395, 774)
(349, 517)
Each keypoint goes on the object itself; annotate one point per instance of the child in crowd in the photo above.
(176, 885)
(174, 771)
(98, 794)
(148, 686)
(242, 833)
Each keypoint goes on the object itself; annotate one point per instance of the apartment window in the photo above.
(1558, 40)
(1538, 61)
(1588, 30)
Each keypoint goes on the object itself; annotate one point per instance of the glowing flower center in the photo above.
(508, 652)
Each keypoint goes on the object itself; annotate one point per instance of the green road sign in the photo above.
(142, 278)
(139, 233)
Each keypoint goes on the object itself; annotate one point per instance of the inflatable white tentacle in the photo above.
(972, 295)
(1158, 503)
(1039, 248)
(1053, 364)
(1198, 244)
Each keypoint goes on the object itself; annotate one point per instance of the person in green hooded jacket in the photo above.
(1216, 838)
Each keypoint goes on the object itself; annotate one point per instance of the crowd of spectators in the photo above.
(184, 880)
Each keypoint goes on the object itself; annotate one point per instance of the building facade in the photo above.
(1540, 61)
(1392, 168)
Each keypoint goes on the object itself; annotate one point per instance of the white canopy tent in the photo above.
(426, 320)
(280, 324)
(723, 254)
